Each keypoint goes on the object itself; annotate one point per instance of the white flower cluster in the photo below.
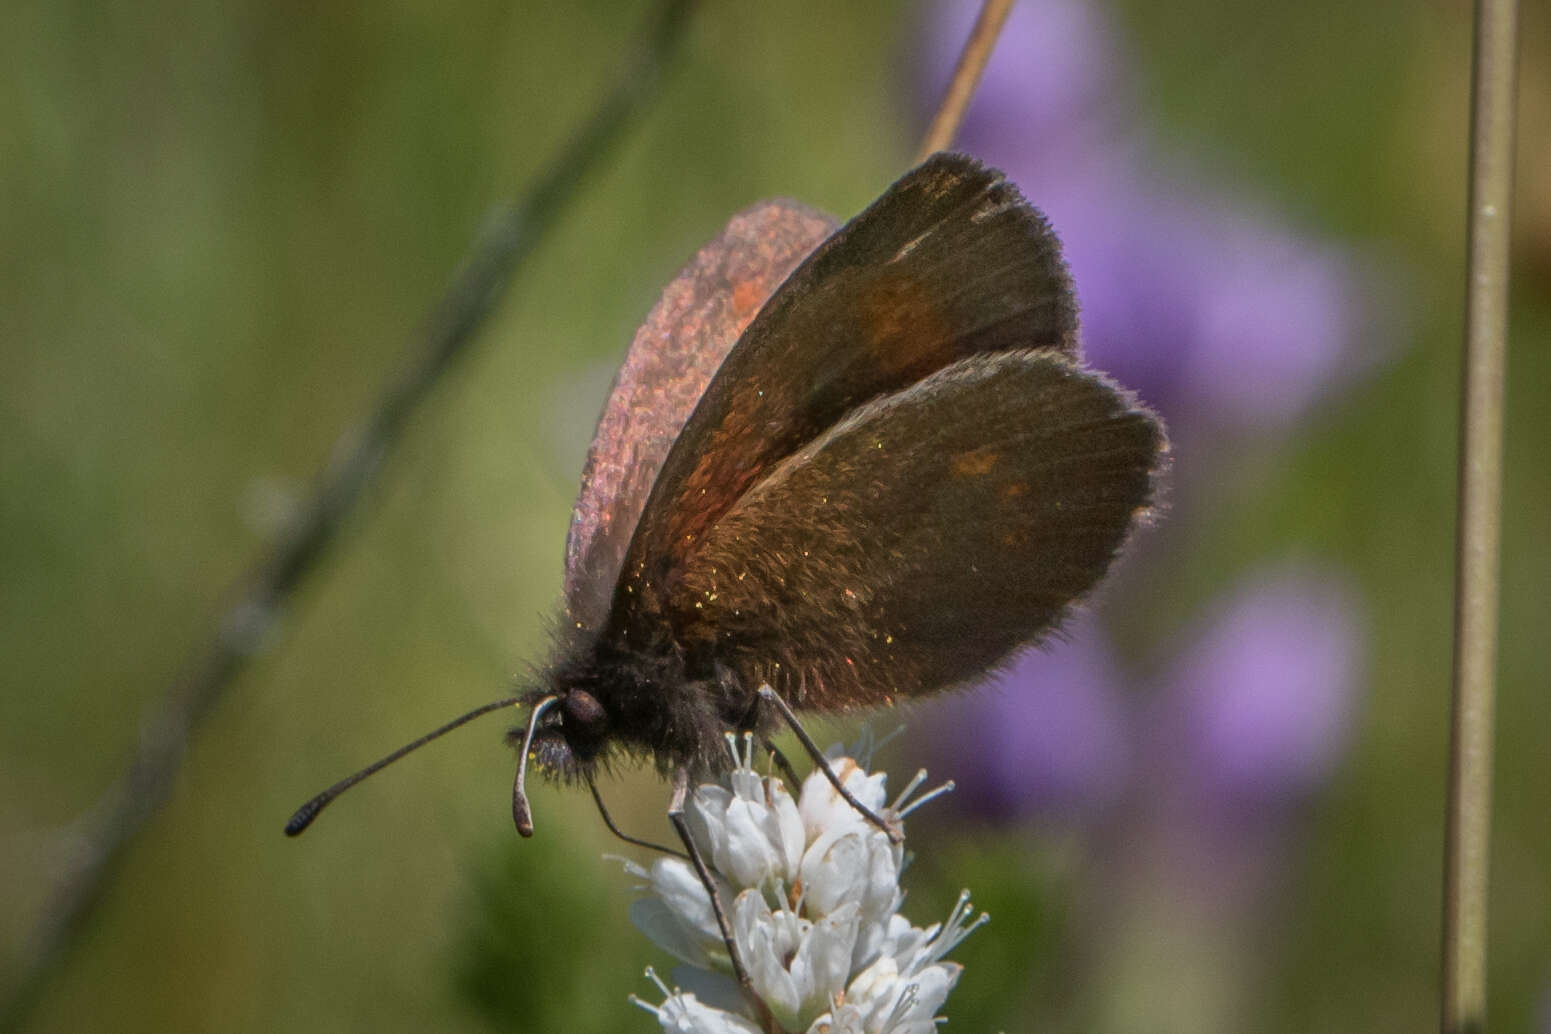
(814, 894)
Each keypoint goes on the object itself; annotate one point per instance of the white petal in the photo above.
(881, 934)
(875, 989)
(932, 985)
(843, 1019)
(684, 1014)
(665, 929)
(880, 888)
(710, 798)
(747, 784)
(823, 960)
(906, 944)
(789, 832)
(833, 870)
(822, 807)
(765, 940)
(870, 935)
(891, 1003)
(748, 857)
(707, 817)
(677, 884)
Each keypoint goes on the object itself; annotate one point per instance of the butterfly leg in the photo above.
(681, 826)
(608, 820)
(751, 723)
(771, 697)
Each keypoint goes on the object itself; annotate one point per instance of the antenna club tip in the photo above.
(298, 822)
(522, 817)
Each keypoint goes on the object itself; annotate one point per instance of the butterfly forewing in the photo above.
(949, 263)
(671, 360)
(925, 537)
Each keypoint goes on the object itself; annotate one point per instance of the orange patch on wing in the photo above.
(975, 464)
(904, 328)
(747, 297)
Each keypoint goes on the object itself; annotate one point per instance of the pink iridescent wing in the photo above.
(676, 351)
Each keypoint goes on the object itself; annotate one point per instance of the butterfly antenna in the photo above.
(309, 811)
(521, 814)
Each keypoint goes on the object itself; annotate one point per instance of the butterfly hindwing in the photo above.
(925, 537)
(949, 263)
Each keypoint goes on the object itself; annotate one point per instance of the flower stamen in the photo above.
(902, 809)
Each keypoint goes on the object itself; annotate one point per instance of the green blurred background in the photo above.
(221, 223)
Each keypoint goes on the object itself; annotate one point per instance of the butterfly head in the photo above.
(573, 721)
(567, 730)
(571, 733)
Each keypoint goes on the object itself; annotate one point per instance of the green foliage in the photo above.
(538, 953)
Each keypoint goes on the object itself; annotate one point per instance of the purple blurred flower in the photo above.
(1224, 319)
(1233, 324)
(1207, 306)
(1254, 711)
(1217, 318)
(1260, 703)
(1054, 63)
(1049, 735)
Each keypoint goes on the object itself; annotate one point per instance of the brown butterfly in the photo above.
(837, 469)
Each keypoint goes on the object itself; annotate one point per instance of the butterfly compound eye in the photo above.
(582, 711)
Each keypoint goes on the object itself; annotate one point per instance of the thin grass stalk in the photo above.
(1468, 837)
(966, 77)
